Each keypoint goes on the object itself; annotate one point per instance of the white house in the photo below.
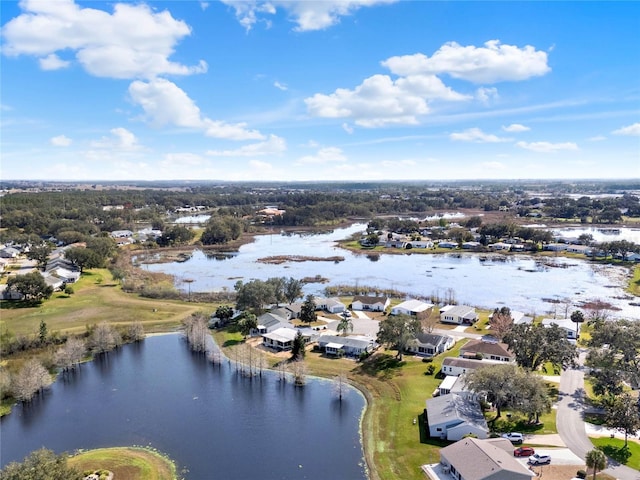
(453, 416)
(488, 350)
(458, 366)
(352, 346)
(430, 344)
(447, 244)
(411, 307)
(478, 459)
(459, 314)
(281, 339)
(374, 304)
(269, 322)
(564, 323)
(331, 305)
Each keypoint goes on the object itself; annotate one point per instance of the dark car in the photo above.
(523, 452)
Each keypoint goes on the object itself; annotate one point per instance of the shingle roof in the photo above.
(369, 300)
(450, 407)
(487, 348)
(485, 460)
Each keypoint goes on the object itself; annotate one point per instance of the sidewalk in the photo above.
(602, 431)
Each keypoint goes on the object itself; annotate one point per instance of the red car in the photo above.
(523, 452)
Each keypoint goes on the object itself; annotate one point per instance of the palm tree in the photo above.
(345, 325)
(577, 317)
(597, 460)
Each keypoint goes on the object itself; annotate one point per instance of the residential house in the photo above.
(281, 338)
(453, 416)
(269, 322)
(411, 307)
(489, 350)
(331, 305)
(374, 304)
(294, 309)
(66, 275)
(53, 281)
(430, 344)
(447, 244)
(478, 459)
(564, 323)
(395, 244)
(583, 249)
(471, 245)
(555, 247)
(352, 346)
(458, 314)
(9, 252)
(500, 247)
(9, 293)
(420, 244)
(121, 234)
(457, 366)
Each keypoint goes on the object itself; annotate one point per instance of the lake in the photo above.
(208, 418)
(522, 282)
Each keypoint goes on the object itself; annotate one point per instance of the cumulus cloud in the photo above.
(631, 130)
(272, 146)
(60, 141)
(597, 138)
(492, 63)
(184, 159)
(398, 163)
(347, 128)
(381, 101)
(487, 94)
(53, 62)
(476, 135)
(132, 42)
(323, 156)
(547, 147)
(306, 15)
(260, 165)
(164, 103)
(120, 138)
(515, 128)
(493, 165)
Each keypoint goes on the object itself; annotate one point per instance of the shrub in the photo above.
(581, 474)
(427, 359)
(430, 370)
(68, 289)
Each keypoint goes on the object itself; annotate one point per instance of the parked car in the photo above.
(539, 459)
(523, 452)
(514, 437)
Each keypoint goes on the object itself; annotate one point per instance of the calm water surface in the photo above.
(520, 282)
(209, 419)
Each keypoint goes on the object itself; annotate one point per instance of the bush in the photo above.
(430, 370)
(68, 289)
(581, 474)
(427, 359)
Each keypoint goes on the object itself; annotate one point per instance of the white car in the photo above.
(539, 459)
(514, 437)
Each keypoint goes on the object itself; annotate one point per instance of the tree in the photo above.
(32, 378)
(135, 332)
(82, 258)
(397, 330)
(196, 331)
(254, 295)
(340, 384)
(39, 465)
(501, 322)
(497, 382)
(224, 313)
(248, 323)
(43, 333)
(278, 287)
(70, 354)
(104, 338)
(533, 345)
(292, 289)
(597, 460)
(40, 253)
(623, 415)
(31, 285)
(298, 350)
(308, 310)
(577, 317)
(176, 235)
(532, 397)
(346, 324)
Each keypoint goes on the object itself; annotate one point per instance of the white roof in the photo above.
(414, 305)
(281, 334)
(335, 346)
(448, 382)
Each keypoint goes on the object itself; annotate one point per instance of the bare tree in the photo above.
(70, 354)
(196, 331)
(30, 380)
(5, 383)
(136, 331)
(104, 338)
(299, 371)
(501, 322)
(339, 385)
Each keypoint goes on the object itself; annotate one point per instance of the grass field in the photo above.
(97, 298)
(126, 463)
(614, 448)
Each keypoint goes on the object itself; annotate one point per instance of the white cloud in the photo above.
(398, 163)
(272, 146)
(182, 159)
(260, 165)
(164, 103)
(280, 86)
(132, 42)
(60, 141)
(487, 94)
(489, 64)
(493, 165)
(204, 5)
(381, 101)
(53, 62)
(547, 147)
(597, 138)
(323, 156)
(347, 128)
(631, 130)
(121, 139)
(515, 128)
(476, 135)
(307, 16)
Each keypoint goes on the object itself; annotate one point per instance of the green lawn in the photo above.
(126, 463)
(634, 283)
(614, 448)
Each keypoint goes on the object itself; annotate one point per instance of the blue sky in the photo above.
(325, 90)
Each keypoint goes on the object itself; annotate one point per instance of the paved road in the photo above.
(571, 424)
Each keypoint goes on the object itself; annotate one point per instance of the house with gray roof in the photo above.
(458, 366)
(490, 350)
(352, 346)
(452, 416)
(269, 322)
(430, 344)
(458, 314)
(411, 307)
(281, 339)
(572, 329)
(374, 304)
(476, 459)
